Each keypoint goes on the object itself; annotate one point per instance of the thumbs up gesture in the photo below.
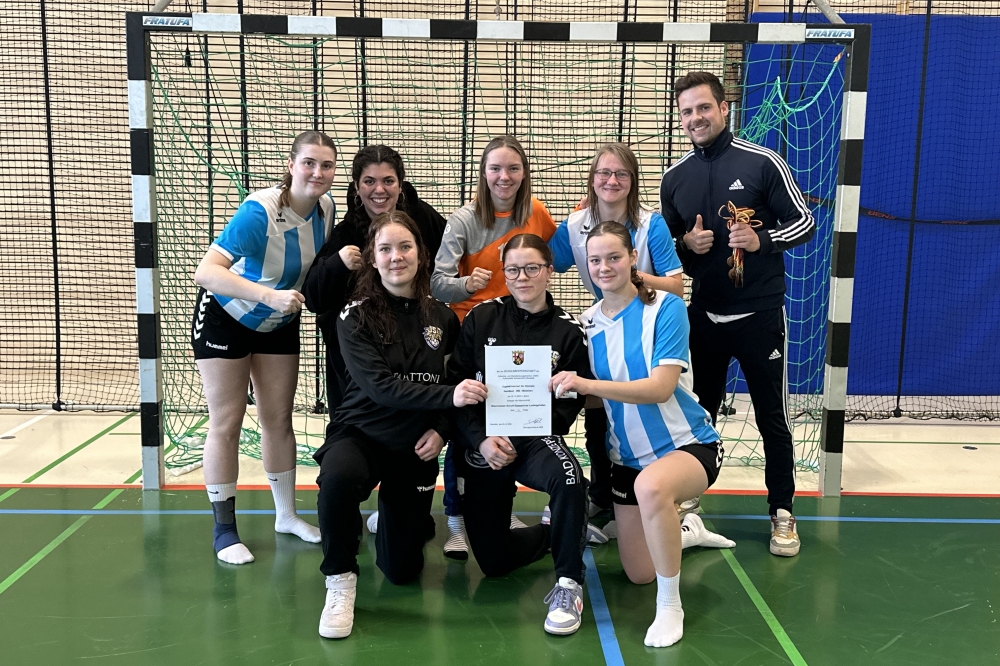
(699, 240)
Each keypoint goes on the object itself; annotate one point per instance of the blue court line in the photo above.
(602, 616)
(270, 512)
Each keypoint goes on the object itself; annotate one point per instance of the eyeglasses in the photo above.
(531, 270)
(605, 174)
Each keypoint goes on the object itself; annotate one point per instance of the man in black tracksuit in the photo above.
(542, 463)
(726, 195)
(395, 393)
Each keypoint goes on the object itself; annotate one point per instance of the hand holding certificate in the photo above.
(519, 401)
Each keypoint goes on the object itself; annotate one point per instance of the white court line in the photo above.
(24, 425)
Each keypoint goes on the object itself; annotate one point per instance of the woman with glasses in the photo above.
(468, 269)
(613, 195)
(489, 466)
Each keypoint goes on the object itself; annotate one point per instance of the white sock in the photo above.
(235, 553)
(668, 627)
(286, 520)
(455, 523)
(694, 533)
(220, 492)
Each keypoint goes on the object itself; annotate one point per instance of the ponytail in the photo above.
(646, 295)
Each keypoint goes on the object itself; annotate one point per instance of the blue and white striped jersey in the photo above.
(271, 246)
(626, 348)
(652, 242)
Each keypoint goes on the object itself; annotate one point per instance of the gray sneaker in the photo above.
(565, 607)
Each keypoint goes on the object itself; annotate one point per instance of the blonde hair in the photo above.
(484, 208)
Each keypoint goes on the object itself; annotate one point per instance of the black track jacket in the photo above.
(749, 176)
(500, 321)
(396, 392)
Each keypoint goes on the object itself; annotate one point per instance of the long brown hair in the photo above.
(484, 208)
(617, 229)
(307, 138)
(626, 157)
(373, 310)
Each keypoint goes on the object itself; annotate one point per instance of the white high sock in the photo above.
(668, 627)
(220, 492)
(236, 552)
(455, 523)
(286, 520)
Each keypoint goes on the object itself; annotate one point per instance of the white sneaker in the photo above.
(610, 529)
(516, 523)
(689, 506)
(337, 619)
(457, 545)
(372, 522)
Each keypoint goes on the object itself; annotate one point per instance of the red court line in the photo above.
(854, 493)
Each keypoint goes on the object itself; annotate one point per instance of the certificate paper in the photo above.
(518, 400)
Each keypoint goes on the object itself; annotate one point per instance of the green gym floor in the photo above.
(118, 576)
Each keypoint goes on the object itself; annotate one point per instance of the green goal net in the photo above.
(226, 108)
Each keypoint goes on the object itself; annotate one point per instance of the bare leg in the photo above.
(274, 378)
(674, 478)
(225, 382)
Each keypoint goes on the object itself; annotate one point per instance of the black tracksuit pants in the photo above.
(758, 342)
(350, 467)
(595, 426)
(545, 464)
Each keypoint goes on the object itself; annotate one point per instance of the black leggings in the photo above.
(351, 465)
(544, 464)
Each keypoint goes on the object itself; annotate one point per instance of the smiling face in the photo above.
(379, 188)
(529, 292)
(702, 118)
(312, 171)
(504, 174)
(611, 190)
(610, 263)
(396, 259)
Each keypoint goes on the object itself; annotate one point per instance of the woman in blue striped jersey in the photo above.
(662, 445)
(613, 194)
(246, 326)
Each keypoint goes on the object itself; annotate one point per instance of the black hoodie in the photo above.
(396, 392)
(328, 284)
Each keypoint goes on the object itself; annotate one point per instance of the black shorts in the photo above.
(215, 334)
(623, 478)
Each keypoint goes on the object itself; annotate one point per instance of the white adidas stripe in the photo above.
(805, 223)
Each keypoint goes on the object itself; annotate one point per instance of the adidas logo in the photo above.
(774, 355)
(737, 185)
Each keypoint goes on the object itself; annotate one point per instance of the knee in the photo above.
(491, 566)
(650, 493)
(401, 573)
(640, 577)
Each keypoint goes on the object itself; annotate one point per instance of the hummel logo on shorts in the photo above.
(774, 355)
(737, 185)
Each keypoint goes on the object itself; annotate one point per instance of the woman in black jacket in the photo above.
(490, 465)
(378, 185)
(392, 422)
